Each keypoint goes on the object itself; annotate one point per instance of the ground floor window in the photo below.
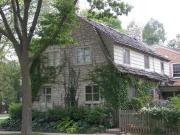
(46, 95)
(92, 95)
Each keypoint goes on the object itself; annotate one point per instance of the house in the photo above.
(98, 44)
(169, 90)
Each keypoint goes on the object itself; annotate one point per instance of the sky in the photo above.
(165, 11)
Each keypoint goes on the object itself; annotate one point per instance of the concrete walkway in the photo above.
(13, 132)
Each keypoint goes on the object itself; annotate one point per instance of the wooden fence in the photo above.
(134, 122)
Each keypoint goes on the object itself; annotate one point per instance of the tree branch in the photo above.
(35, 19)
(3, 32)
(9, 33)
(18, 11)
(25, 18)
(16, 26)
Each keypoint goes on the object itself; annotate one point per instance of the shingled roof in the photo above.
(123, 39)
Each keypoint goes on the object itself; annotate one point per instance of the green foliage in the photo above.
(74, 120)
(112, 22)
(15, 110)
(175, 102)
(9, 82)
(55, 29)
(153, 32)
(143, 87)
(67, 125)
(106, 12)
(170, 117)
(109, 8)
(174, 43)
(136, 103)
(114, 87)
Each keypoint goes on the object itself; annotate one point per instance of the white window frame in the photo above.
(44, 94)
(173, 70)
(124, 57)
(148, 58)
(92, 102)
(84, 63)
(54, 58)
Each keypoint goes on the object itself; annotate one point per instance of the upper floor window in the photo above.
(84, 55)
(176, 70)
(146, 61)
(162, 67)
(53, 58)
(126, 56)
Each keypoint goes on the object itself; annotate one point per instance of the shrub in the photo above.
(15, 110)
(62, 120)
(67, 126)
(136, 103)
(175, 102)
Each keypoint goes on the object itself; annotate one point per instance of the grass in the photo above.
(3, 117)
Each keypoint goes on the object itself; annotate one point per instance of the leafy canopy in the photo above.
(153, 32)
(107, 12)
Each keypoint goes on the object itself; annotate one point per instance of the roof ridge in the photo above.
(122, 38)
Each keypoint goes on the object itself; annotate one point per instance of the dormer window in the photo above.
(126, 56)
(176, 70)
(146, 61)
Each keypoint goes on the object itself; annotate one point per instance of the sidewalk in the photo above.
(13, 132)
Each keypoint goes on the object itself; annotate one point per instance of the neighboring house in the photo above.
(98, 44)
(174, 71)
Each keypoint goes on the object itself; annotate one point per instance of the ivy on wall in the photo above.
(114, 87)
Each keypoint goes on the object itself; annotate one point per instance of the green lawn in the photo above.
(3, 117)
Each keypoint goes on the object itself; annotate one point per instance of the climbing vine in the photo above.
(114, 87)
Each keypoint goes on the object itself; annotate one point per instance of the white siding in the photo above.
(166, 68)
(157, 65)
(118, 54)
(137, 60)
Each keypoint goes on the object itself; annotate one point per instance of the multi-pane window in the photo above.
(53, 58)
(176, 70)
(146, 61)
(126, 56)
(162, 67)
(92, 93)
(84, 55)
(46, 95)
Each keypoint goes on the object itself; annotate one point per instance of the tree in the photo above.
(107, 12)
(153, 32)
(9, 83)
(134, 31)
(18, 24)
(112, 22)
(174, 43)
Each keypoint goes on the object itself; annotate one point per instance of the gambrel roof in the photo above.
(125, 40)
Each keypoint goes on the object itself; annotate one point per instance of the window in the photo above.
(84, 55)
(176, 70)
(53, 58)
(46, 95)
(92, 93)
(126, 56)
(162, 67)
(146, 61)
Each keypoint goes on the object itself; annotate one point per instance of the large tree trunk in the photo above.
(26, 128)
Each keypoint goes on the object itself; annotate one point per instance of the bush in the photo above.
(175, 102)
(136, 103)
(15, 110)
(58, 119)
